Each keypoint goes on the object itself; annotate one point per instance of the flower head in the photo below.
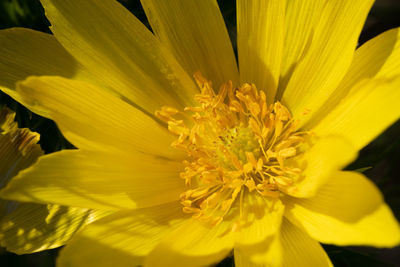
(193, 158)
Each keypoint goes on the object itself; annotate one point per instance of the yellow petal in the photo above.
(348, 210)
(242, 261)
(261, 29)
(328, 57)
(196, 34)
(261, 219)
(28, 228)
(378, 58)
(18, 147)
(120, 52)
(121, 239)
(24, 52)
(365, 112)
(33, 227)
(18, 150)
(326, 156)
(301, 20)
(266, 253)
(300, 250)
(95, 180)
(192, 244)
(291, 248)
(92, 118)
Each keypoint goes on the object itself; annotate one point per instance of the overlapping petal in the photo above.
(292, 247)
(266, 253)
(348, 210)
(122, 239)
(24, 52)
(31, 227)
(328, 57)
(193, 244)
(371, 102)
(327, 155)
(261, 30)
(120, 52)
(301, 20)
(97, 180)
(114, 124)
(26, 227)
(195, 32)
(301, 250)
(376, 59)
(261, 219)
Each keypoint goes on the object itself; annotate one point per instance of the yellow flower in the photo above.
(256, 157)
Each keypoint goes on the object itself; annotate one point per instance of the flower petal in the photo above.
(262, 219)
(192, 244)
(242, 261)
(326, 156)
(18, 147)
(93, 118)
(33, 227)
(24, 52)
(301, 20)
(291, 248)
(121, 239)
(25, 227)
(365, 112)
(299, 249)
(196, 34)
(96, 180)
(266, 253)
(120, 52)
(328, 57)
(348, 210)
(379, 58)
(261, 33)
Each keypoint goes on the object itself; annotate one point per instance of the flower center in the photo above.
(235, 142)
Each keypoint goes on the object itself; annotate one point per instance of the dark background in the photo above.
(382, 156)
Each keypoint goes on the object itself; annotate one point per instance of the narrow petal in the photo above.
(328, 155)
(301, 20)
(299, 249)
(93, 118)
(261, 219)
(328, 57)
(196, 34)
(120, 52)
(95, 180)
(121, 239)
(348, 210)
(192, 244)
(261, 30)
(365, 112)
(24, 52)
(33, 227)
(379, 58)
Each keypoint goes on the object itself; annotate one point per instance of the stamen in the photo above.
(236, 144)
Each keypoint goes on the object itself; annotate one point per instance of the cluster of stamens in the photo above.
(236, 144)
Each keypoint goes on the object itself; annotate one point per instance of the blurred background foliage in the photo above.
(380, 160)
